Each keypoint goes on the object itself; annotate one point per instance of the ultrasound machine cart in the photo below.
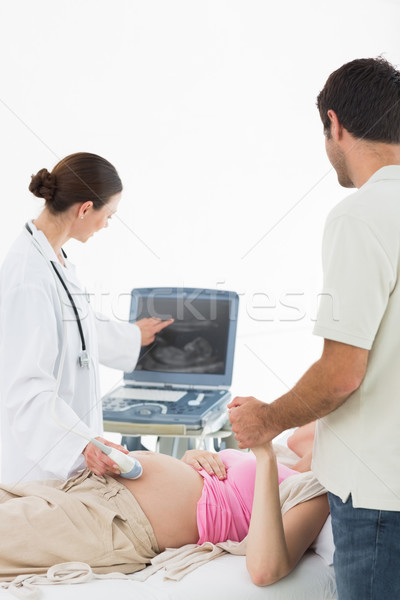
(180, 385)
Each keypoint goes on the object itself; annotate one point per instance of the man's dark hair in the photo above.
(365, 95)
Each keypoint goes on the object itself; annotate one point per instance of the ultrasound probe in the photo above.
(129, 467)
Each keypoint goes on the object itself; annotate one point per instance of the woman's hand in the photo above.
(98, 462)
(209, 461)
(264, 451)
(150, 327)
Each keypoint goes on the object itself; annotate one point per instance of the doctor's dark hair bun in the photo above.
(77, 178)
(43, 185)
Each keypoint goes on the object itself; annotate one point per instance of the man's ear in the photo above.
(336, 127)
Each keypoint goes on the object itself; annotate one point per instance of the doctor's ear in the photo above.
(84, 208)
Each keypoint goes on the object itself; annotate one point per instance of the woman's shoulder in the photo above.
(24, 268)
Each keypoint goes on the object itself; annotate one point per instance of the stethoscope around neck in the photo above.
(83, 357)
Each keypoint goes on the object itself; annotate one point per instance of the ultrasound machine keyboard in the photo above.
(149, 395)
(192, 408)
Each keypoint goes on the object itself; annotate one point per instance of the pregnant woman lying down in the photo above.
(116, 524)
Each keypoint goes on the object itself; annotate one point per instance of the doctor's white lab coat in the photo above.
(34, 445)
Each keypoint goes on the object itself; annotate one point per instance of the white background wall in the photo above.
(207, 109)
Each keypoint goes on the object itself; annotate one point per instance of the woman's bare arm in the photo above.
(275, 544)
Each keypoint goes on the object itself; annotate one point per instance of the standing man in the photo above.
(354, 388)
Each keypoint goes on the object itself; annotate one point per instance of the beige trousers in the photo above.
(91, 519)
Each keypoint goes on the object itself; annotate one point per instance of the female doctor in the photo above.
(81, 194)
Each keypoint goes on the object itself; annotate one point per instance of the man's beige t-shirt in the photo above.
(357, 447)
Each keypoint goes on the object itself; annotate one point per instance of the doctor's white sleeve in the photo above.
(119, 343)
(31, 347)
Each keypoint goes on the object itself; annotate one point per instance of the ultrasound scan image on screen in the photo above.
(195, 343)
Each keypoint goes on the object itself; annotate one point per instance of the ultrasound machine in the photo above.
(181, 381)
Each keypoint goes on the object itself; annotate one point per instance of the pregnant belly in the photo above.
(168, 492)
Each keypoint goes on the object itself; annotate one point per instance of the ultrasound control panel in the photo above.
(194, 409)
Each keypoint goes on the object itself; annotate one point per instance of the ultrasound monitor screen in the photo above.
(196, 342)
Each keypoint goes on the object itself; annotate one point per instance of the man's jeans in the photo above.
(367, 551)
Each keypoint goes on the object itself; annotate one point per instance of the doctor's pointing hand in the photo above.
(150, 327)
(48, 413)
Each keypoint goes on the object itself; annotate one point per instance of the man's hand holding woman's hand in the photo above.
(250, 424)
